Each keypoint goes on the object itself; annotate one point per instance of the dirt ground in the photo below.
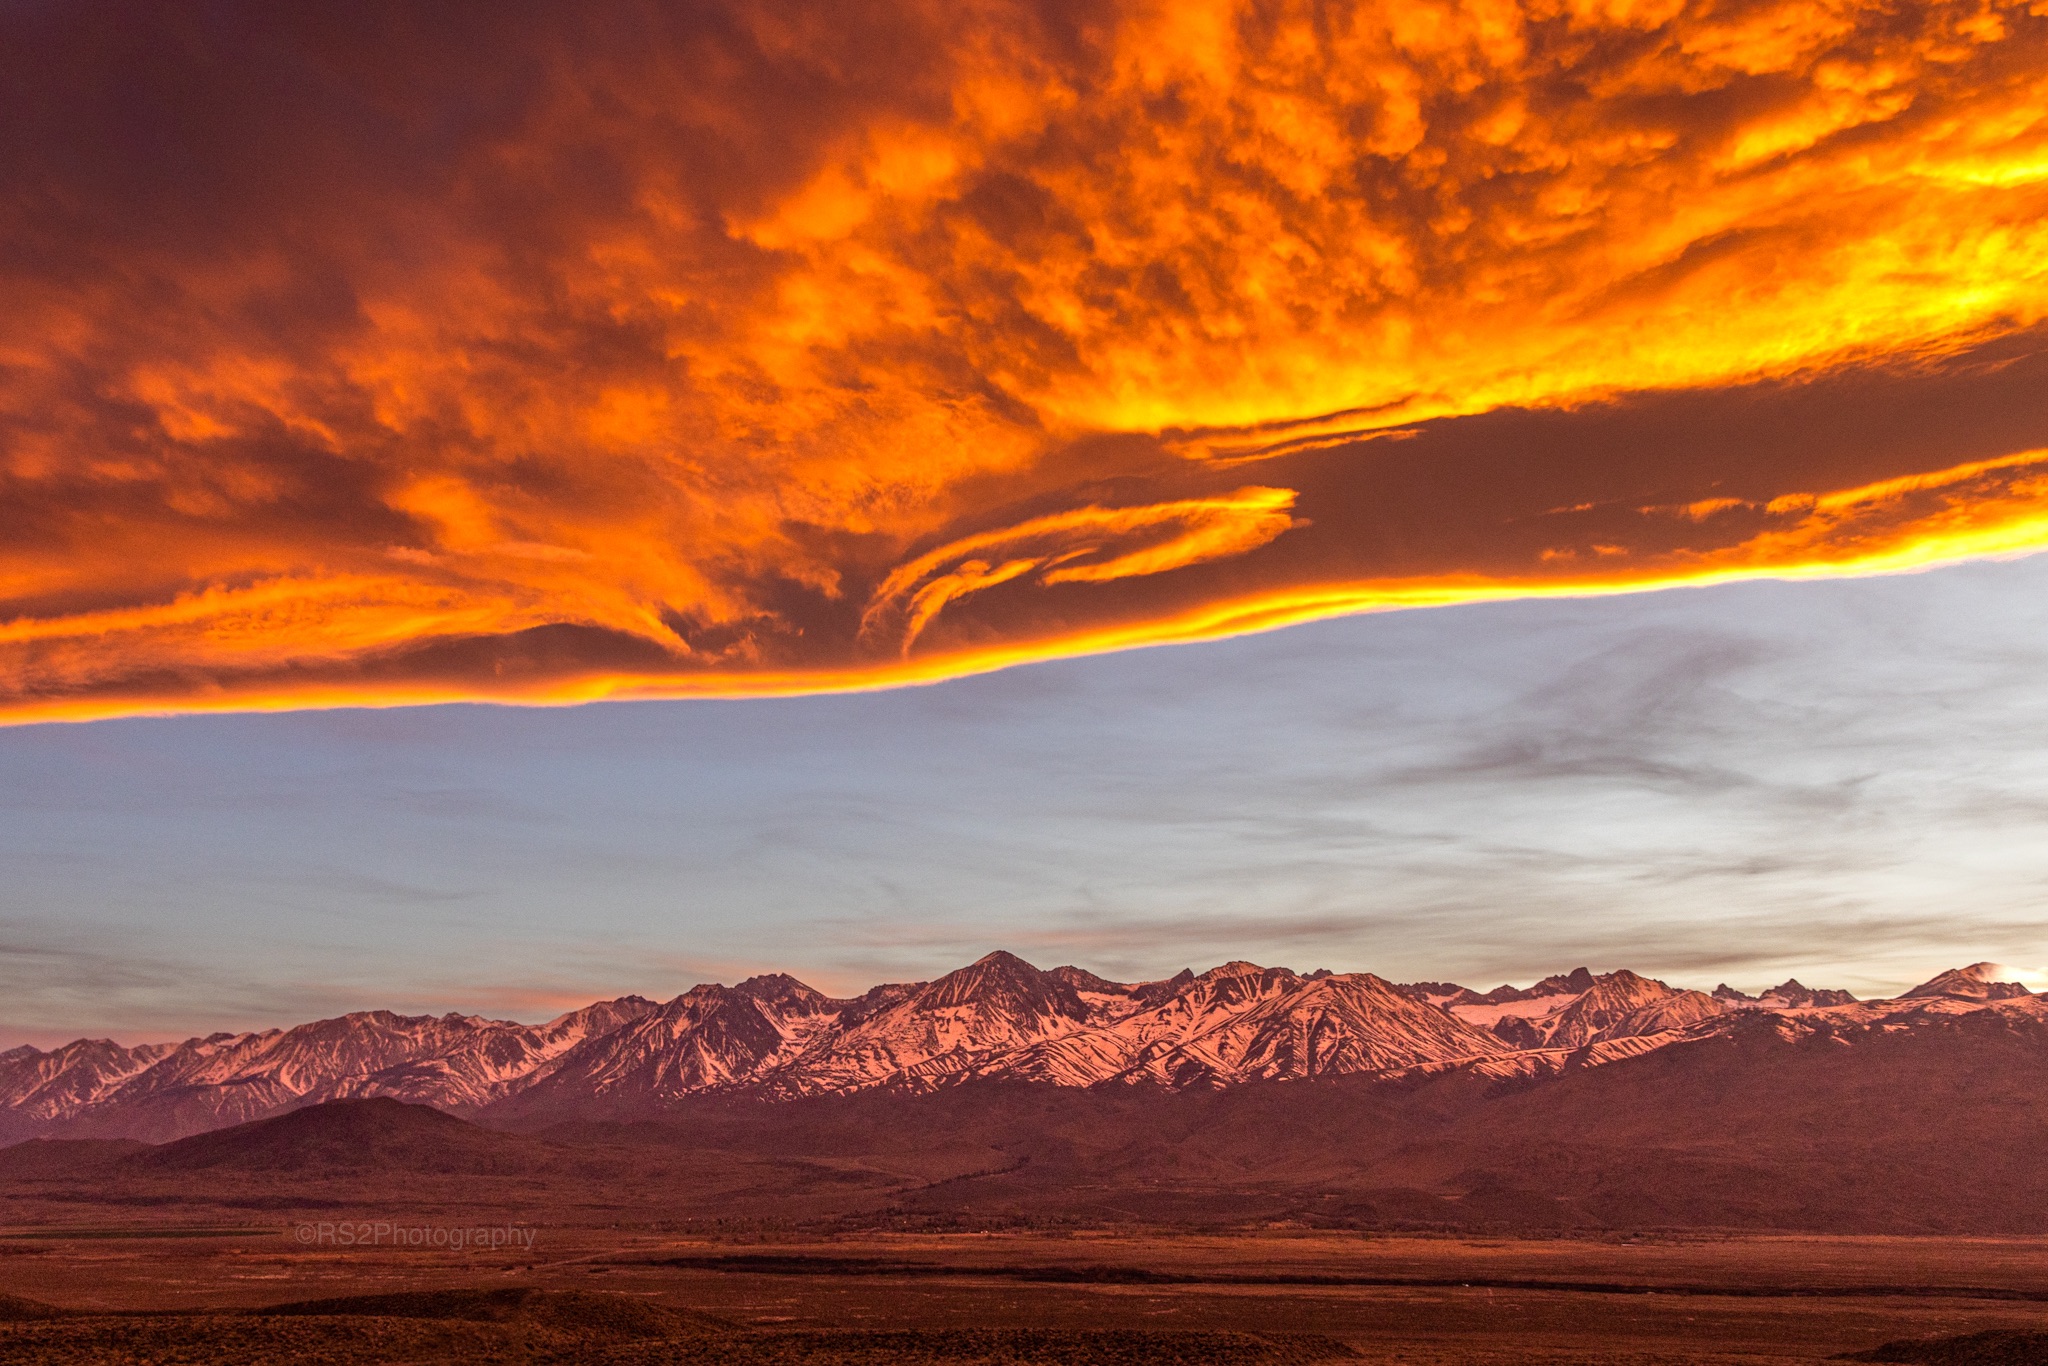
(1440, 1300)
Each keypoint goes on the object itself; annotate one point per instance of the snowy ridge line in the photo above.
(999, 1019)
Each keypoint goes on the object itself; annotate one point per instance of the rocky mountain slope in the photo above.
(997, 1020)
(1978, 982)
(1920, 1121)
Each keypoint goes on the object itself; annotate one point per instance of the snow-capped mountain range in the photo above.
(999, 1019)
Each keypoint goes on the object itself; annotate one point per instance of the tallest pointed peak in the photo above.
(1007, 982)
(1003, 958)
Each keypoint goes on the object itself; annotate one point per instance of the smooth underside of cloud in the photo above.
(1842, 780)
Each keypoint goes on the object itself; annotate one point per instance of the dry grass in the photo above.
(527, 1327)
(1998, 1348)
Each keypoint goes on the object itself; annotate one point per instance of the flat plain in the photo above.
(157, 1292)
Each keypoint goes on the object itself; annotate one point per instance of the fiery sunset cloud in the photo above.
(389, 353)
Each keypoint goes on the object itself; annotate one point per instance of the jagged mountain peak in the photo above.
(877, 999)
(1080, 979)
(990, 971)
(709, 998)
(1575, 982)
(82, 1046)
(1578, 979)
(1980, 982)
(1437, 993)
(1790, 994)
(1230, 985)
(1165, 989)
(784, 991)
(1583, 1009)
(999, 1019)
(1620, 990)
(1621, 979)
(620, 1008)
(755, 997)
(1005, 984)
(1274, 1024)
(710, 1037)
(1238, 967)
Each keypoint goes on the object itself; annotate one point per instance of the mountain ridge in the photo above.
(774, 1038)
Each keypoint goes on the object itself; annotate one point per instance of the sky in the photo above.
(1846, 781)
(1443, 486)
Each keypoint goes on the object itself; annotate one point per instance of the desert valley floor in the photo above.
(152, 1292)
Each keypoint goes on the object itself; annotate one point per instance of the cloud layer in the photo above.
(509, 351)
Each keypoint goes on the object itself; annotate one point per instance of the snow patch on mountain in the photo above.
(1982, 982)
(998, 1019)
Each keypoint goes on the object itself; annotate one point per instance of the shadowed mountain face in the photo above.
(997, 1020)
(375, 1136)
(96, 1088)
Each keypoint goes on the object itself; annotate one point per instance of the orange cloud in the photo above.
(1087, 545)
(526, 354)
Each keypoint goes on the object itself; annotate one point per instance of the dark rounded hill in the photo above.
(350, 1135)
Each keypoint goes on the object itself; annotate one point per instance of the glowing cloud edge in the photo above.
(1226, 619)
